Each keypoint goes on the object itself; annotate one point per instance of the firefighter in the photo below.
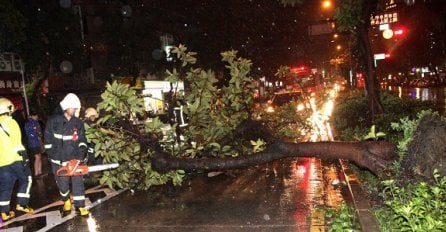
(14, 164)
(91, 114)
(64, 141)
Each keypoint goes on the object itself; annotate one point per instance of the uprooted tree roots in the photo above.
(427, 151)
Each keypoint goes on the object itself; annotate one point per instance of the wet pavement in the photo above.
(281, 196)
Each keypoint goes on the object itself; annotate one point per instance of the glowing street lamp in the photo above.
(388, 34)
(327, 4)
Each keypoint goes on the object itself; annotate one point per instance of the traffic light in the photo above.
(399, 32)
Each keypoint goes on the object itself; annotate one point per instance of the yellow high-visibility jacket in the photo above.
(10, 141)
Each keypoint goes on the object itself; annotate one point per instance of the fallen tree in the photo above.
(146, 161)
(376, 156)
(425, 152)
(221, 133)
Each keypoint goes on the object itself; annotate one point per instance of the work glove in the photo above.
(90, 150)
(25, 158)
(83, 153)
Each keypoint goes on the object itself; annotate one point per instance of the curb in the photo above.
(366, 218)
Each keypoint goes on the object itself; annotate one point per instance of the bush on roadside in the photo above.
(415, 207)
(398, 206)
(351, 115)
(342, 218)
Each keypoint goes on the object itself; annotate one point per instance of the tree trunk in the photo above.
(426, 152)
(373, 155)
(366, 59)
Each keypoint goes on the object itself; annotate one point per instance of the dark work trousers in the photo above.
(77, 186)
(8, 176)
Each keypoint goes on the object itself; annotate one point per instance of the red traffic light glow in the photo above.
(399, 32)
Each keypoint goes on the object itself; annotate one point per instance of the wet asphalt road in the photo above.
(279, 196)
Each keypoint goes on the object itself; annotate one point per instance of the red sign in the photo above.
(10, 83)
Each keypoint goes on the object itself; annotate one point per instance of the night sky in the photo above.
(264, 31)
(124, 36)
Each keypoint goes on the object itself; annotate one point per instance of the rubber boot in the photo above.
(67, 205)
(7, 216)
(83, 211)
(24, 209)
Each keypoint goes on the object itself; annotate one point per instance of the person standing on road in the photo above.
(64, 141)
(14, 164)
(35, 144)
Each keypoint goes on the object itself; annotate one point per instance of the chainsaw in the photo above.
(79, 168)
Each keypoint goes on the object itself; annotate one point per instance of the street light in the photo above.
(327, 4)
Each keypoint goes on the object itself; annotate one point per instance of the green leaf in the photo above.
(380, 134)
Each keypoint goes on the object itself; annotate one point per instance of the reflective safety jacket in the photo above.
(65, 139)
(10, 141)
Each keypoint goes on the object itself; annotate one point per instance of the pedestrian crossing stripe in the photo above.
(54, 217)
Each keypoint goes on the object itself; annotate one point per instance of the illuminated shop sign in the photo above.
(384, 18)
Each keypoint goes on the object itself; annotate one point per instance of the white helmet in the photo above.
(91, 112)
(6, 106)
(71, 101)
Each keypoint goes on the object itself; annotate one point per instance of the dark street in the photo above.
(280, 196)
